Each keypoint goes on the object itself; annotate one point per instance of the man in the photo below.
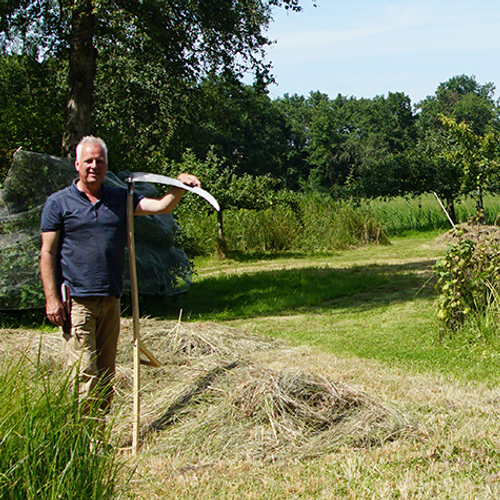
(84, 233)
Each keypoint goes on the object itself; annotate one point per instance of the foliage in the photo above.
(232, 191)
(344, 145)
(138, 106)
(467, 278)
(308, 224)
(46, 441)
(463, 99)
(31, 106)
(437, 163)
(477, 156)
(240, 122)
(191, 38)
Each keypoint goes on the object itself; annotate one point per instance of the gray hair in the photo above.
(94, 141)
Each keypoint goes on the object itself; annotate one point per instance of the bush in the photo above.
(467, 278)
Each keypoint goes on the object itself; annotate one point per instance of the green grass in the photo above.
(278, 292)
(374, 302)
(45, 441)
(402, 215)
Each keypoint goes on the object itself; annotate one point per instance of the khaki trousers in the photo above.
(90, 346)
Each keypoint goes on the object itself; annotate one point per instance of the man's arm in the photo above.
(54, 309)
(149, 206)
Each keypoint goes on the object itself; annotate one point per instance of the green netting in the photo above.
(161, 267)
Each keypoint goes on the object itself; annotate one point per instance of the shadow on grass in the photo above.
(295, 291)
(246, 257)
(22, 318)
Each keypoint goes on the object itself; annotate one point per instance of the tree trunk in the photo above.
(450, 208)
(82, 68)
(481, 216)
(221, 239)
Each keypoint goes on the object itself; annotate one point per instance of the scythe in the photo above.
(134, 291)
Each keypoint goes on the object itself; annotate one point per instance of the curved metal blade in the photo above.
(169, 181)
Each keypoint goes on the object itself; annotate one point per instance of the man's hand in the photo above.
(152, 206)
(189, 180)
(56, 313)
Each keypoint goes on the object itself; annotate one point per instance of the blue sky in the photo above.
(364, 48)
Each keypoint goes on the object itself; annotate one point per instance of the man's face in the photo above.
(91, 165)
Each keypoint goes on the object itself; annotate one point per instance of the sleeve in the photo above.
(137, 198)
(51, 219)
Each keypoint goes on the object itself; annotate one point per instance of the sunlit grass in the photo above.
(423, 213)
(375, 302)
(48, 448)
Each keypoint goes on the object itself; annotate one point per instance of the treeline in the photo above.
(344, 146)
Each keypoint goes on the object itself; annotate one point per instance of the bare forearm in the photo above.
(168, 202)
(162, 205)
(54, 308)
(48, 275)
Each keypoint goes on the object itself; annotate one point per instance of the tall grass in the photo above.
(317, 223)
(423, 213)
(48, 449)
(332, 225)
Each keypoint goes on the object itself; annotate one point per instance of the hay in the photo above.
(40, 349)
(473, 232)
(215, 396)
(205, 340)
(217, 400)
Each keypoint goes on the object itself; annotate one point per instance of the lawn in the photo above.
(374, 302)
(420, 413)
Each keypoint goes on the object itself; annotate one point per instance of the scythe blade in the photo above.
(169, 181)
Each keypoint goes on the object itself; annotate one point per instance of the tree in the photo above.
(31, 106)
(354, 144)
(329, 157)
(432, 171)
(478, 157)
(239, 121)
(463, 99)
(297, 114)
(194, 36)
(441, 163)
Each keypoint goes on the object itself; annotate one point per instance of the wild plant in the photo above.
(467, 278)
(49, 448)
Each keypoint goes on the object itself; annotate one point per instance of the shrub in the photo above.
(467, 278)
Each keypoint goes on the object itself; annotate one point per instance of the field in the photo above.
(307, 377)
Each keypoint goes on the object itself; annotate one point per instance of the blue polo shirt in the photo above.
(91, 254)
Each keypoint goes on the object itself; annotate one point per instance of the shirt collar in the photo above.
(82, 194)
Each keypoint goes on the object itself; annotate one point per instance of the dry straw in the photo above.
(214, 398)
